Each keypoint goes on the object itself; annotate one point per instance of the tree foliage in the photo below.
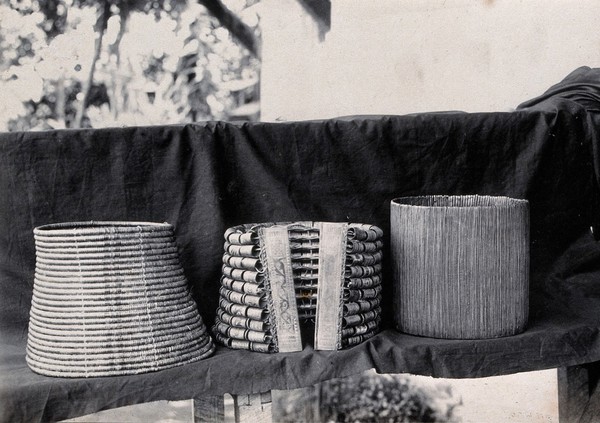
(369, 397)
(71, 63)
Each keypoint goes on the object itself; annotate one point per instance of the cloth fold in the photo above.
(208, 177)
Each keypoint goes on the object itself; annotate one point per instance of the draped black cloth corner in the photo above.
(205, 178)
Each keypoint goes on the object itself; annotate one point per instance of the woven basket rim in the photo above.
(115, 322)
(88, 303)
(79, 256)
(128, 298)
(117, 272)
(130, 359)
(158, 260)
(100, 312)
(99, 290)
(67, 244)
(152, 284)
(111, 277)
(108, 250)
(77, 352)
(293, 226)
(116, 263)
(126, 338)
(198, 331)
(118, 326)
(84, 350)
(95, 313)
(100, 226)
(122, 338)
(117, 359)
(190, 324)
(44, 370)
(112, 263)
(106, 325)
(114, 281)
(499, 202)
(144, 361)
(92, 311)
(77, 239)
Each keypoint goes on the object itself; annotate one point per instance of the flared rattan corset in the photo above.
(111, 298)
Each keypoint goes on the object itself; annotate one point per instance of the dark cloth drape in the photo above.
(204, 178)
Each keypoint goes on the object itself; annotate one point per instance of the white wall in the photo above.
(404, 56)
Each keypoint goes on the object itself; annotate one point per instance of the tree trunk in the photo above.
(117, 93)
(100, 29)
(233, 24)
(60, 101)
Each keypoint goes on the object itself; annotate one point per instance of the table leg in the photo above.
(209, 409)
(578, 393)
(234, 409)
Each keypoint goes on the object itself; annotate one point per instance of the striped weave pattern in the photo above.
(110, 298)
(461, 265)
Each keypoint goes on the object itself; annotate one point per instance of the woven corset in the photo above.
(111, 298)
(461, 265)
(279, 278)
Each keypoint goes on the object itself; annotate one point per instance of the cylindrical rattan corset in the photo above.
(111, 298)
(461, 265)
(247, 317)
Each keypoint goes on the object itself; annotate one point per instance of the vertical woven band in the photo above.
(280, 279)
(332, 257)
